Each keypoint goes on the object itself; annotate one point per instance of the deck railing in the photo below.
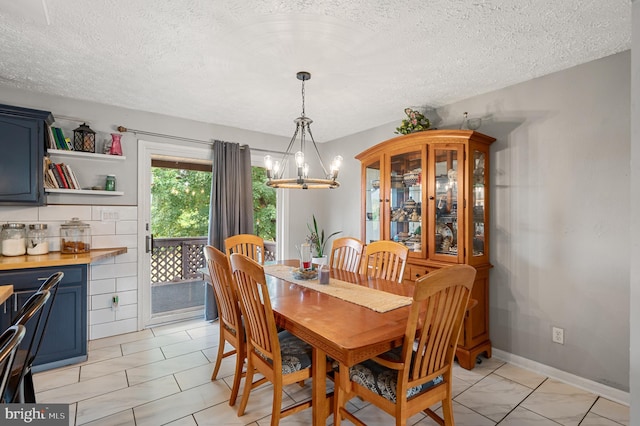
(178, 259)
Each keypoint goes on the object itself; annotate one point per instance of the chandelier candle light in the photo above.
(275, 169)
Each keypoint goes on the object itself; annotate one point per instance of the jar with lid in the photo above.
(75, 237)
(13, 237)
(110, 183)
(37, 242)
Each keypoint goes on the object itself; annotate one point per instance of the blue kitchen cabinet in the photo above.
(22, 144)
(65, 339)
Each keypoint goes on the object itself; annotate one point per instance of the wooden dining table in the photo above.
(345, 331)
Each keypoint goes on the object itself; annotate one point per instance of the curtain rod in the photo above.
(123, 129)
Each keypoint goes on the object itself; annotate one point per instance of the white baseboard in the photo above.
(589, 385)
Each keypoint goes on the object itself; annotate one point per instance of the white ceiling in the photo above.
(234, 62)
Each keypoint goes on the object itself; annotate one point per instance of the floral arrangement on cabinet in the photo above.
(415, 122)
(317, 238)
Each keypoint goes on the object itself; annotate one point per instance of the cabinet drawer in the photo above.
(32, 279)
(413, 272)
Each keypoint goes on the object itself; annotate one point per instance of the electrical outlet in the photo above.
(109, 216)
(557, 335)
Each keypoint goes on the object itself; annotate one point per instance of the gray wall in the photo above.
(560, 214)
(634, 299)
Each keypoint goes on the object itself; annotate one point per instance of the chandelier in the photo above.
(276, 169)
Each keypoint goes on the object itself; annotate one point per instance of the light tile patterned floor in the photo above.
(162, 376)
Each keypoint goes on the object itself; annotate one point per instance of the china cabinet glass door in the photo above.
(479, 205)
(447, 201)
(372, 202)
(405, 201)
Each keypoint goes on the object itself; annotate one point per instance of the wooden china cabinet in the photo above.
(430, 191)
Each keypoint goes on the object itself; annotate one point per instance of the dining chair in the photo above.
(280, 358)
(231, 327)
(250, 245)
(30, 316)
(385, 259)
(418, 374)
(346, 254)
(9, 341)
(27, 389)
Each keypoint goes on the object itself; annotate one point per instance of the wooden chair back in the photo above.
(251, 284)
(223, 290)
(9, 341)
(250, 245)
(231, 327)
(440, 300)
(346, 254)
(385, 259)
(435, 320)
(263, 342)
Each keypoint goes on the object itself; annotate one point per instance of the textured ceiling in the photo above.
(234, 62)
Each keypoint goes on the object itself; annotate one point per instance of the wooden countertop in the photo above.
(5, 292)
(55, 258)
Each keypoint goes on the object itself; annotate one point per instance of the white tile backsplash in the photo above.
(107, 277)
(127, 227)
(18, 214)
(99, 331)
(105, 241)
(119, 270)
(127, 312)
(64, 212)
(102, 286)
(101, 316)
(127, 283)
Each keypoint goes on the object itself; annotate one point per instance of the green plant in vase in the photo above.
(317, 238)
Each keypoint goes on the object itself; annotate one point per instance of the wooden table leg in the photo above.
(320, 406)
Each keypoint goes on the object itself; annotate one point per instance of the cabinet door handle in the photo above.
(431, 197)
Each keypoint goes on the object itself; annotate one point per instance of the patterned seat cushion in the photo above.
(296, 354)
(382, 380)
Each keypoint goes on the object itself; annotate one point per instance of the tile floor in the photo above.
(162, 376)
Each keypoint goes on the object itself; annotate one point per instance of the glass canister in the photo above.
(75, 237)
(110, 183)
(14, 238)
(37, 242)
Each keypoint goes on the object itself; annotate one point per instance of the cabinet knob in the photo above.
(431, 197)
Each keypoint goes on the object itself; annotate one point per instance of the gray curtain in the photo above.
(231, 202)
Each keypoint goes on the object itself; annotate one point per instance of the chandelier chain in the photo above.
(303, 96)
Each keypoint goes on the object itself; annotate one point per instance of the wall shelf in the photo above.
(82, 191)
(80, 154)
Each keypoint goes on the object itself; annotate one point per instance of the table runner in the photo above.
(376, 300)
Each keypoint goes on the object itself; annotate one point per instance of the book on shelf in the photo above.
(67, 176)
(63, 180)
(72, 176)
(56, 175)
(51, 140)
(49, 178)
(59, 175)
(60, 142)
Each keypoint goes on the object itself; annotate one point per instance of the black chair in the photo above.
(29, 316)
(9, 341)
(25, 358)
(50, 285)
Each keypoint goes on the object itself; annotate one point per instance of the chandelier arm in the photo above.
(317, 151)
(287, 154)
